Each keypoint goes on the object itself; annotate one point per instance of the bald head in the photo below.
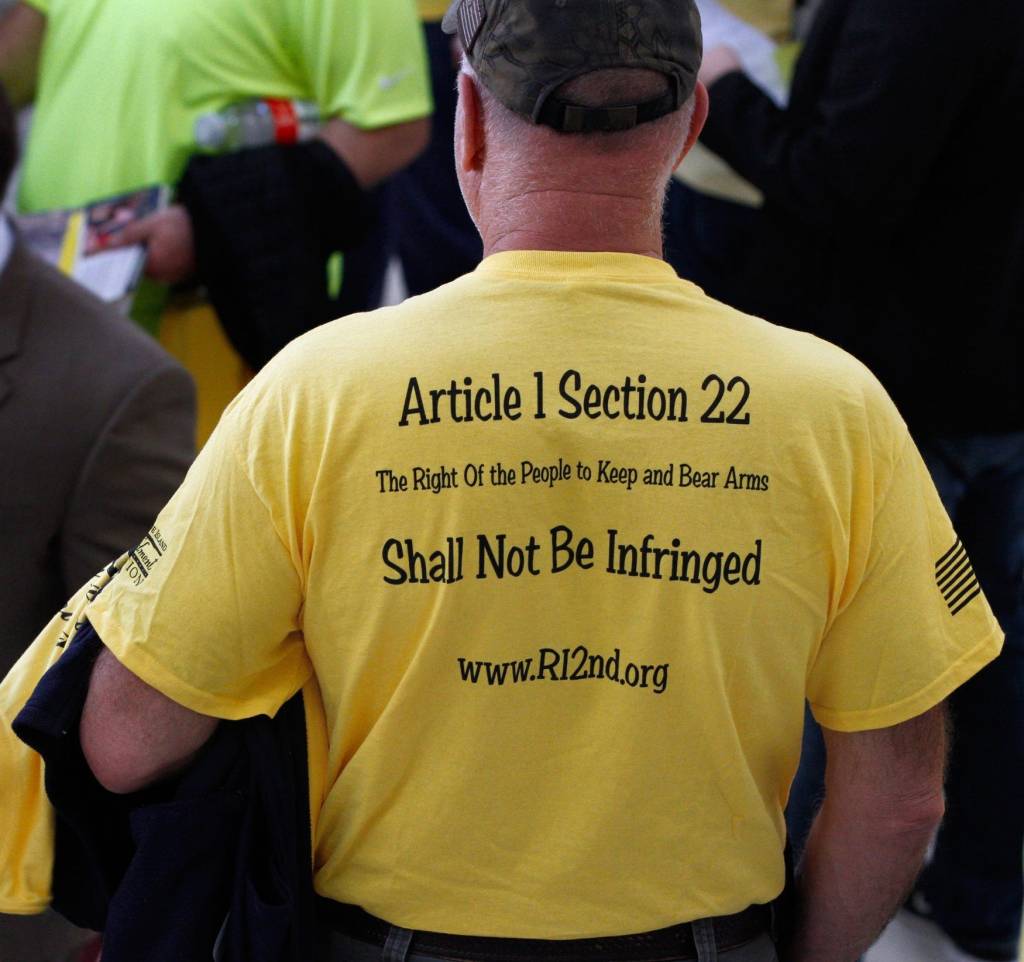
(511, 168)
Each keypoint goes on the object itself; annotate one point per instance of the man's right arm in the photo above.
(883, 803)
(21, 43)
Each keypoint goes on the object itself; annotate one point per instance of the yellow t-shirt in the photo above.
(566, 544)
(27, 821)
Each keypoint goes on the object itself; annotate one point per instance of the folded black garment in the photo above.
(266, 222)
(219, 857)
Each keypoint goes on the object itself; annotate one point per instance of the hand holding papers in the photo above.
(79, 241)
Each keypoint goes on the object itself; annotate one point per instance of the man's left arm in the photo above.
(895, 83)
(131, 734)
(202, 621)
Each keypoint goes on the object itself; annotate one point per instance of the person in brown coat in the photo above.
(97, 427)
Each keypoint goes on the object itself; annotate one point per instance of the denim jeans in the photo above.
(974, 884)
(341, 948)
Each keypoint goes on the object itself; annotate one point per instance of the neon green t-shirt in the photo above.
(566, 544)
(122, 82)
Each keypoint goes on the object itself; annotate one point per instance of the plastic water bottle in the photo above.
(257, 123)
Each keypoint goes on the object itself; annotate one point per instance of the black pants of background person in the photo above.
(432, 230)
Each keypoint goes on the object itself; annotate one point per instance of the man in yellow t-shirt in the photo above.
(565, 544)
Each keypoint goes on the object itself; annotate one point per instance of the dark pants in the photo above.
(400, 947)
(974, 884)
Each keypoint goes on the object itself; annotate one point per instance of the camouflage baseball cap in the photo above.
(524, 50)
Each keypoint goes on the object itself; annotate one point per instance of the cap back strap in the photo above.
(573, 119)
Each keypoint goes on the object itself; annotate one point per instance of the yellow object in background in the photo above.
(786, 55)
(433, 10)
(69, 249)
(190, 331)
(774, 17)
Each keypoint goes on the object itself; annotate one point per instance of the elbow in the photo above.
(927, 816)
(375, 155)
(394, 148)
(408, 141)
(117, 772)
(113, 756)
(915, 816)
(124, 765)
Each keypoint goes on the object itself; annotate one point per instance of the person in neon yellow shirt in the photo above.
(119, 84)
(565, 545)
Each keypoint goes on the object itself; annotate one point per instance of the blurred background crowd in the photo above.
(189, 186)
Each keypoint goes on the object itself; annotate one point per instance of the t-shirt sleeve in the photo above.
(366, 60)
(914, 624)
(207, 609)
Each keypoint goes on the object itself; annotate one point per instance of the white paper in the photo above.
(63, 237)
(110, 275)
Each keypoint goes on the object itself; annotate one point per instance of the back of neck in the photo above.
(571, 220)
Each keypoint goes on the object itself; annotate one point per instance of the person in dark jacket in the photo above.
(893, 225)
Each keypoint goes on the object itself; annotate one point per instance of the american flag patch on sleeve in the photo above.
(954, 574)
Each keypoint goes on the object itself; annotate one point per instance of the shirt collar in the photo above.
(548, 265)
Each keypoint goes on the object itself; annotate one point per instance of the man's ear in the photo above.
(470, 138)
(701, 104)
